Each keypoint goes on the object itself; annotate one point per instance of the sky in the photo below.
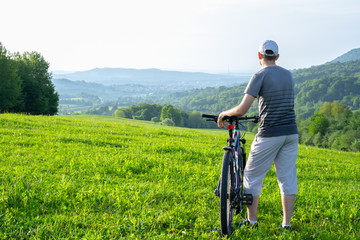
(215, 36)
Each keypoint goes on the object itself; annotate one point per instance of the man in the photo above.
(277, 137)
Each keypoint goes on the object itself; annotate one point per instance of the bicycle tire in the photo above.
(227, 193)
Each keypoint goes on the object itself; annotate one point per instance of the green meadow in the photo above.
(91, 177)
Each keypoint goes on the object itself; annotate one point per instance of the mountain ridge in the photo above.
(150, 76)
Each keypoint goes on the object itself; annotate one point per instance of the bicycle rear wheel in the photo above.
(227, 193)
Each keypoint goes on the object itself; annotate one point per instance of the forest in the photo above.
(25, 84)
(163, 114)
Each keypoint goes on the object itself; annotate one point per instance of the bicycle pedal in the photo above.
(247, 199)
(217, 193)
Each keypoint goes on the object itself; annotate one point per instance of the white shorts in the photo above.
(282, 151)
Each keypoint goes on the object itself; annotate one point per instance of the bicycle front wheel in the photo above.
(227, 193)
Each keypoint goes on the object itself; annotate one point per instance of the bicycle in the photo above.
(231, 186)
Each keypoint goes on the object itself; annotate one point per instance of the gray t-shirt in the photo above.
(274, 88)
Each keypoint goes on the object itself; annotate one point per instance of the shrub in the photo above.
(168, 122)
(155, 119)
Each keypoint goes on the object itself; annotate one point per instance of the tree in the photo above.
(195, 119)
(10, 83)
(123, 113)
(337, 108)
(319, 124)
(38, 92)
(355, 146)
(169, 112)
(326, 109)
(155, 119)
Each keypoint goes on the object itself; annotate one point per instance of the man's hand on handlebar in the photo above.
(220, 122)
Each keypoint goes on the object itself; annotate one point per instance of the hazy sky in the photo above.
(187, 35)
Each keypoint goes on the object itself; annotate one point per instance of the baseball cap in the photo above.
(269, 48)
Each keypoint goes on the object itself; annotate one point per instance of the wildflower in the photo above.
(351, 216)
(173, 229)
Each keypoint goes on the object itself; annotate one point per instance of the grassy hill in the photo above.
(104, 178)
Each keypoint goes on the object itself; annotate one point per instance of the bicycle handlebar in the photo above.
(231, 118)
(209, 116)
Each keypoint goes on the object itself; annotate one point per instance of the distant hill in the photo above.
(350, 68)
(352, 55)
(67, 89)
(80, 95)
(152, 77)
(92, 88)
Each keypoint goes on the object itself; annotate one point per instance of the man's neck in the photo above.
(266, 63)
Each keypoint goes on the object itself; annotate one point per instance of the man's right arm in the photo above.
(239, 110)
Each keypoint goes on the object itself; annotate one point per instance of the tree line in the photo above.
(25, 84)
(164, 114)
(333, 125)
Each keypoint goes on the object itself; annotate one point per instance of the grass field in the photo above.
(87, 177)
